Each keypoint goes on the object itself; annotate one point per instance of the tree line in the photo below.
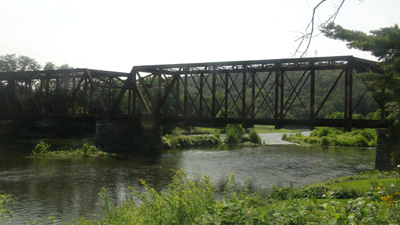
(14, 63)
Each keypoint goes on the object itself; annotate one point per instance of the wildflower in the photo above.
(387, 198)
(398, 166)
(379, 188)
(392, 185)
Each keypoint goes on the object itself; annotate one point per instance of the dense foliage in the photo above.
(326, 136)
(178, 139)
(14, 63)
(190, 202)
(384, 44)
(234, 133)
(42, 150)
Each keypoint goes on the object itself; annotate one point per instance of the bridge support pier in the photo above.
(116, 135)
(383, 150)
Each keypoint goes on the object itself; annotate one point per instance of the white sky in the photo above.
(116, 35)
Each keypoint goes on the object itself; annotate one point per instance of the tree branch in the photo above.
(305, 39)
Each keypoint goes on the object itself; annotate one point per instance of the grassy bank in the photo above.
(271, 129)
(325, 136)
(178, 139)
(257, 128)
(375, 200)
(43, 150)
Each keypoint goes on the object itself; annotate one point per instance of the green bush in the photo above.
(86, 150)
(179, 141)
(323, 132)
(360, 141)
(254, 137)
(234, 133)
(325, 141)
(41, 148)
(369, 134)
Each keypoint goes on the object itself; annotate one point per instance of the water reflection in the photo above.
(69, 188)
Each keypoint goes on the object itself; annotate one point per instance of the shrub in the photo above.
(234, 133)
(282, 193)
(87, 149)
(178, 141)
(41, 148)
(369, 134)
(177, 131)
(322, 132)
(254, 137)
(325, 141)
(360, 141)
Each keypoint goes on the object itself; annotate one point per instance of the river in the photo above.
(69, 188)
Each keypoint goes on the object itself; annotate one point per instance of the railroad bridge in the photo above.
(129, 108)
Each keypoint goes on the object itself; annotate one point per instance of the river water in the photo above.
(69, 188)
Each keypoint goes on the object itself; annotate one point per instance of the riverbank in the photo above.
(325, 136)
(374, 200)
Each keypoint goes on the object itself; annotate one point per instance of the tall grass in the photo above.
(5, 213)
(194, 202)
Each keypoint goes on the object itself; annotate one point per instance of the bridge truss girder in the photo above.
(236, 92)
(247, 92)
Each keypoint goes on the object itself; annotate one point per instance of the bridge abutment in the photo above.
(116, 135)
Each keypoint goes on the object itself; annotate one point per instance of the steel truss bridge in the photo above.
(281, 92)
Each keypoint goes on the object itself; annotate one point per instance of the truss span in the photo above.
(281, 92)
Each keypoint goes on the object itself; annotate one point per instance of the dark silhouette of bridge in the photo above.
(281, 92)
(130, 108)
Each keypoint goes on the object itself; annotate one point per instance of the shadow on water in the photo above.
(69, 188)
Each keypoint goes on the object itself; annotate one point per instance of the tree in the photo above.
(385, 86)
(12, 63)
(384, 44)
(50, 66)
(26, 63)
(8, 63)
(64, 67)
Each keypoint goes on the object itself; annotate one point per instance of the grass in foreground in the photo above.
(42, 150)
(5, 213)
(190, 202)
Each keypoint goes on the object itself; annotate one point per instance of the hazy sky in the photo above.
(116, 35)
